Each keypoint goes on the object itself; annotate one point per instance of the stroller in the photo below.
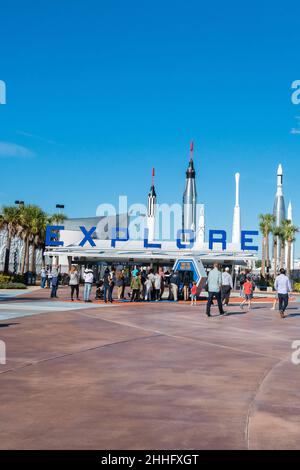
(99, 290)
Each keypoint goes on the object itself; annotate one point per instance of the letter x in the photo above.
(87, 236)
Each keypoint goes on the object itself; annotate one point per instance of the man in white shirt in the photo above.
(283, 287)
(227, 286)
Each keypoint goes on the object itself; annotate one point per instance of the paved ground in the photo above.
(146, 376)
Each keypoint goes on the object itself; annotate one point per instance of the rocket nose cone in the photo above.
(280, 170)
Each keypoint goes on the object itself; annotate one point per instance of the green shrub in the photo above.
(12, 285)
(18, 278)
(296, 287)
(4, 279)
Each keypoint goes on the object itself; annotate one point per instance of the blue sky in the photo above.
(99, 92)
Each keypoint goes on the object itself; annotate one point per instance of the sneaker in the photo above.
(282, 314)
(242, 306)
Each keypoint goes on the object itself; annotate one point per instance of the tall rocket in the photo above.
(151, 210)
(200, 234)
(290, 218)
(236, 228)
(190, 197)
(279, 206)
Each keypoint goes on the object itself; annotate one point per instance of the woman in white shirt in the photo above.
(74, 282)
(157, 286)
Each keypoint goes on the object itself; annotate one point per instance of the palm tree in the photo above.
(28, 216)
(266, 227)
(38, 230)
(276, 236)
(9, 219)
(289, 236)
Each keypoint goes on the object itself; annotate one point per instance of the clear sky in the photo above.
(98, 92)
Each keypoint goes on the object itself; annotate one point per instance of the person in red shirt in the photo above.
(194, 294)
(248, 292)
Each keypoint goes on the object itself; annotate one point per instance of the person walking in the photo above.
(54, 281)
(151, 276)
(49, 278)
(112, 281)
(227, 286)
(106, 281)
(186, 286)
(135, 271)
(174, 285)
(74, 282)
(43, 278)
(143, 277)
(157, 286)
(194, 294)
(162, 283)
(242, 280)
(124, 285)
(149, 288)
(136, 288)
(248, 292)
(120, 282)
(283, 288)
(214, 283)
(88, 283)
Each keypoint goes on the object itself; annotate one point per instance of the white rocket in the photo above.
(151, 210)
(189, 198)
(290, 218)
(236, 229)
(200, 235)
(279, 206)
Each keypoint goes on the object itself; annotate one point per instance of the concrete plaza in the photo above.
(146, 376)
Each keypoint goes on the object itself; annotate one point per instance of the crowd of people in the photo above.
(154, 285)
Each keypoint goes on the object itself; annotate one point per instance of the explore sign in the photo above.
(121, 235)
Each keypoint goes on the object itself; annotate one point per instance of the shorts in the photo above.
(248, 296)
(194, 297)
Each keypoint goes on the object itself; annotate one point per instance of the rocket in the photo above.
(279, 206)
(290, 218)
(200, 235)
(190, 198)
(236, 228)
(151, 210)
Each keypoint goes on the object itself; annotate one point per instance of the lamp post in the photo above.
(60, 207)
(19, 203)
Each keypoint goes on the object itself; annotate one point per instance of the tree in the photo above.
(266, 227)
(289, 236)
(276, 236)
(38, 231)
(10, 220)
